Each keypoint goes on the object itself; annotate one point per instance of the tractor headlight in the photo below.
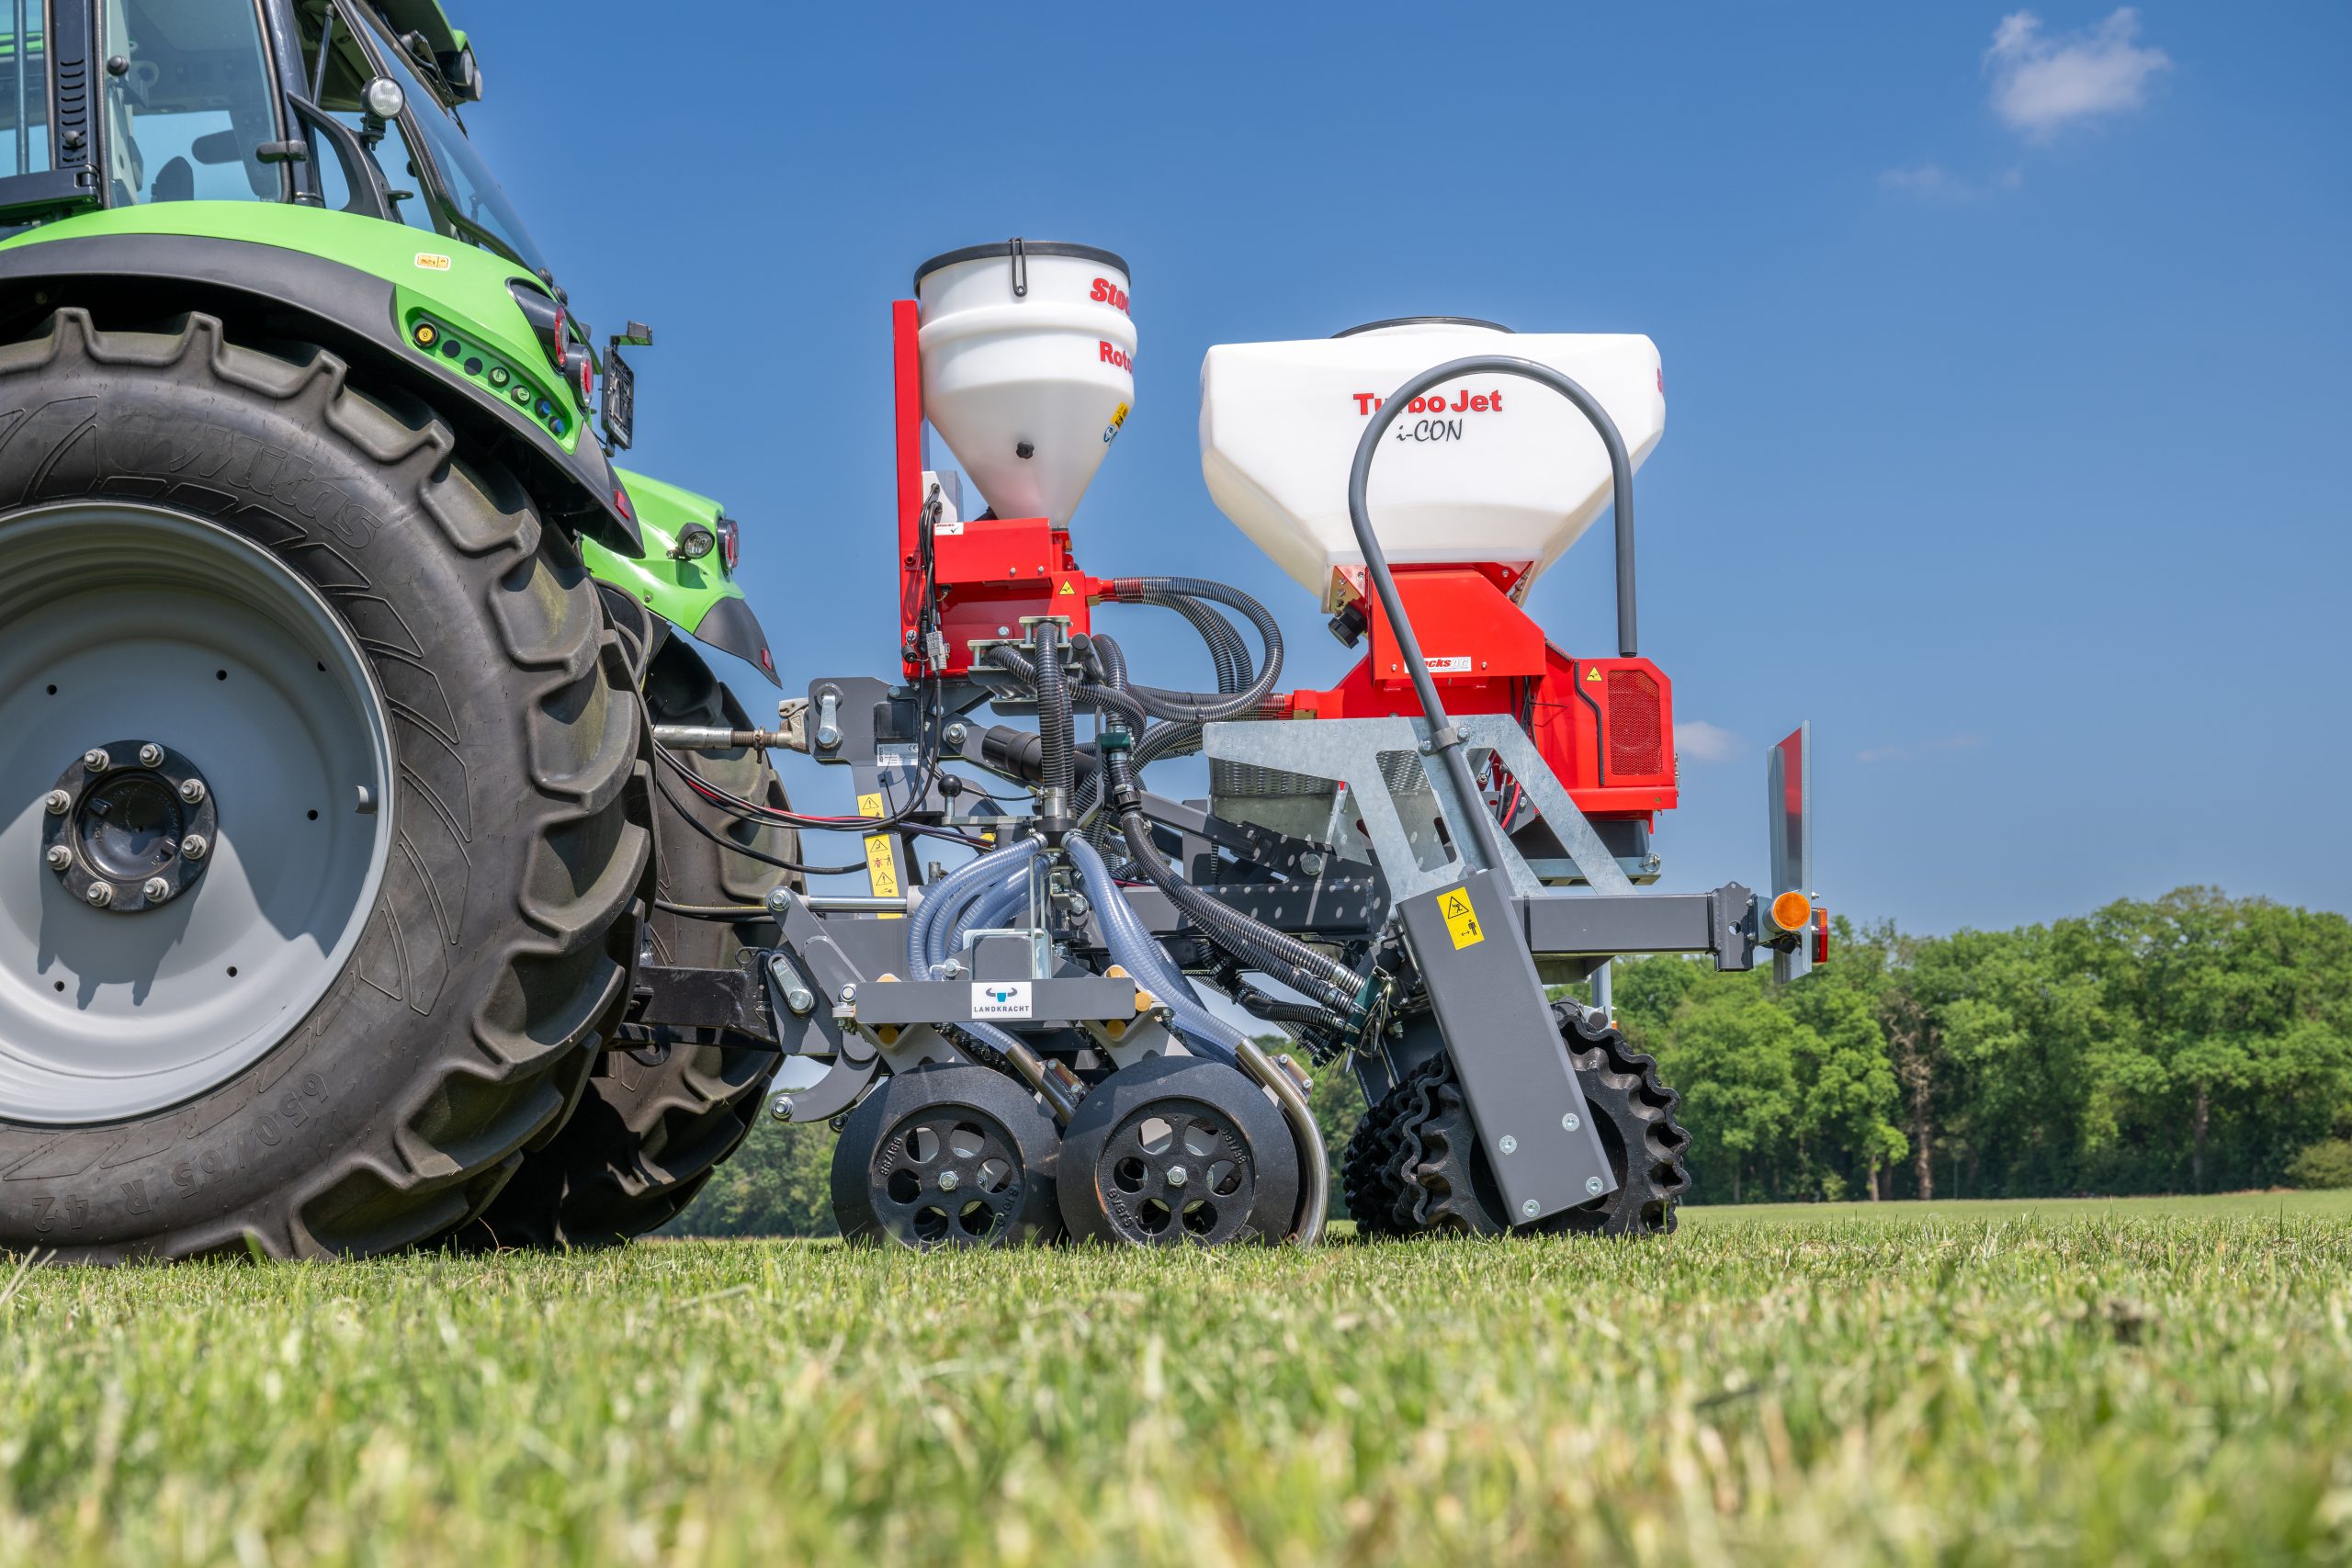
(694, 541)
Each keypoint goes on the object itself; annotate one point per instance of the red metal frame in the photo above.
(990, 573)
(1606, 725)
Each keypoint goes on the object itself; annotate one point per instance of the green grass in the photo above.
(2018, 1383)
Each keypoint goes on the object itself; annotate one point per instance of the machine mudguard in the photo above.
(270, 279)
(700, 596)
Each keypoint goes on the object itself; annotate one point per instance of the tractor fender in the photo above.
(270, 290)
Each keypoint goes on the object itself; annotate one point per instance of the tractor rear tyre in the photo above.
(661, 1116)
(322, 813)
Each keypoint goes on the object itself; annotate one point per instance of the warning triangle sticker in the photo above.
(1592, 674)
(1067, 590)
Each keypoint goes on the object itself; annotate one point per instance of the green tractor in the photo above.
(330, 642)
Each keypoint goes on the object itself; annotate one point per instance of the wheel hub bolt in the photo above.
(156, 889)
(100, 895)
(193, 847)
(150, 755)
(96, 760)
(1592, 1185)
(59, 857)
(949, 1181)
(57, 801)
(193, 792)
(1178, 1176)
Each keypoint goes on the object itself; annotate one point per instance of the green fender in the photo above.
(699, 597)
(366, 288)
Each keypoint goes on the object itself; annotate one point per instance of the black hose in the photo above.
(1194, 707)
(1057, 725)
(1292, 961)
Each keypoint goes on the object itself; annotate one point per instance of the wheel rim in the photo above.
(1177, 1171)
(124, 625)
(948, 1176)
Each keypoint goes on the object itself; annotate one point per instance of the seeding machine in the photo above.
(380, 865)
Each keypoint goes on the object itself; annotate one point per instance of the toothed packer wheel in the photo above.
(1176, 1151)
(1438, 1167)
(954, 1155)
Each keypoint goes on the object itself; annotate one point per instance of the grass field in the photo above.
(1994, 1383)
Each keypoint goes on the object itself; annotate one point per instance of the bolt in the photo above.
(193, 792)
(1507, 1144)
(156, 889)
(57, 801)
(956, 736)
(1310, 864)
(1178, 1176)
(1531, 1208)
(848, 994)
(1570, 1122)
(1592, 1185)
(952, 970)
(779, 900)
(96, 760)
(781, 1108)
(59, 857)
(949, 1181)
(150, 755)
(100, 895)
(193, 847)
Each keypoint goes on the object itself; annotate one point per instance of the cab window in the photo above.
(23, 90)
(188, 102)
(336, 88)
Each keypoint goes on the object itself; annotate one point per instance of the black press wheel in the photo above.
(1176, 1151)
(947, 1156)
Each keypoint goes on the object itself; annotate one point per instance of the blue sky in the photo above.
(2009, 358)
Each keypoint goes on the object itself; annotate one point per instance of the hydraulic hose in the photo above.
(1444, 739)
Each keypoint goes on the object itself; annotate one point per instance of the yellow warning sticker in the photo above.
(1592, 674)
(433, 261)
(881, 859)
(1067, 590)
(1461, 918)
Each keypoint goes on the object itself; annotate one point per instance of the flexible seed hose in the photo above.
(957, 889)
(1139, 953)
(1193, 706)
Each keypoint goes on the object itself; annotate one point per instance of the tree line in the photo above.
(2188, 1043)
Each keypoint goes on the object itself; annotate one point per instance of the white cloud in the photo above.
(2041, 82)
(1933, 182)
(1704, 742)
(1911, 751)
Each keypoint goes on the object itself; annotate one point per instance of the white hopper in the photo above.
(1028, 367)
(1498, 469)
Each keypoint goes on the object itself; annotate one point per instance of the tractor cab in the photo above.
(339, 104)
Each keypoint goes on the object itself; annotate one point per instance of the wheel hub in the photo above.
(131, 825)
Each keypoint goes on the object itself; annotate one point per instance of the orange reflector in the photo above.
(1790, 911)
